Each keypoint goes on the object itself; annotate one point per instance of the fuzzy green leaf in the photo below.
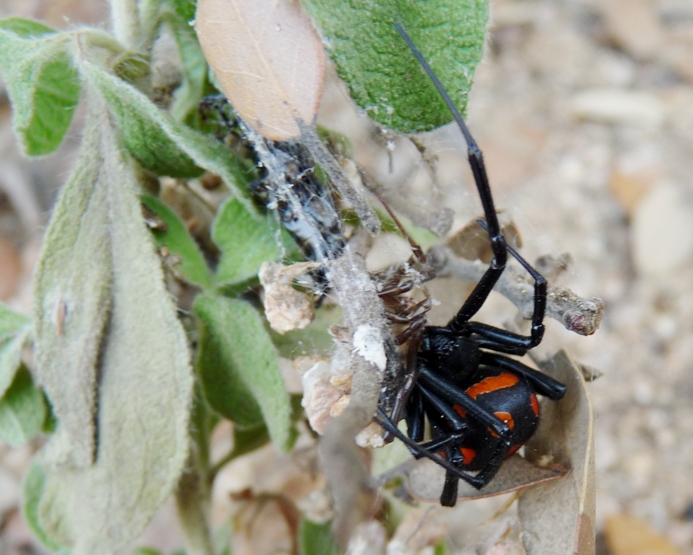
(245, 240)
(25, 28)
(11, 357)
(185, 9)
(42, 83)
(140, 123)
(178, 241)
(11, 322)
(146, 551)
(22, 410)
(187, 96)
(32, 494)
(312, 340)
(139, 351)
(382, 75)
(315, 538)
(73, 282)
(238, 367)
(162, 144)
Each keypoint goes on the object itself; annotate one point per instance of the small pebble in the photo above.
(618, 106)
(662, 231)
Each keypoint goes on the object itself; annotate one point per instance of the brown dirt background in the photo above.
(584, 112)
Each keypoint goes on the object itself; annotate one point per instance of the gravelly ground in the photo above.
(584, 112)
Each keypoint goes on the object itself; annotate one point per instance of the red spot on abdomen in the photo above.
(535, 404)
(467, 454)
(507, 418)
(459, 410)
(513, 450)
(492, 383)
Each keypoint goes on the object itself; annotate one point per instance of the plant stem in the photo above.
(193, 500)
(126, 25)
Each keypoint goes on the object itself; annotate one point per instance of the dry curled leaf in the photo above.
(426, 479)
(471, 242)
(558, 517)
(286, 308)
(268, 59)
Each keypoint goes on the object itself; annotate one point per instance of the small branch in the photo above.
(126, 25)
(576, 313)
(193, 499)
(216, 467)
(373, 354)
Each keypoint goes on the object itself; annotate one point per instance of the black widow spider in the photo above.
(480, 404)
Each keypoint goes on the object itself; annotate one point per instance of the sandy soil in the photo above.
(584, 112)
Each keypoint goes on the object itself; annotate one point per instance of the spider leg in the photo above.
(476, 160)
(384, 421)
(438, 410)
(540, 286)
(451, 393)
(541, 383)
(448, 497)
(499, 339)
(415, 416)
(449, 494)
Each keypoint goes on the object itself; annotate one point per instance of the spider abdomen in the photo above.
(510, 398)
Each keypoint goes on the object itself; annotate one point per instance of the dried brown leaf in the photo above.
(558, 517)
(471, 242)
(426, 479)
(268, 59)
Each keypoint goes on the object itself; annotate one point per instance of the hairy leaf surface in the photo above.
(178, 241)
(382, 75)
(246, 241)
(22, 410)
(41, 81)
(239, 369)
(138, 350)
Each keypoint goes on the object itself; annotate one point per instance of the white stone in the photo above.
(662, 230)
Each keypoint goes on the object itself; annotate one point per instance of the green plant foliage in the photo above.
(223, 539)
(187, 96)
(312, 340)
(11, 322)
(238, 367)
(150, 134)
(178, 241)
(163, 145)
(247, 440)
(50, 422)
(73, 282)
(15, 330)
(11, 357)
(315, 538)
(32, 494)
(22, 410)
(246, 241)
(41, 81)
(138, 348)
(185, 9)
(383, 77)
(146, 551)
